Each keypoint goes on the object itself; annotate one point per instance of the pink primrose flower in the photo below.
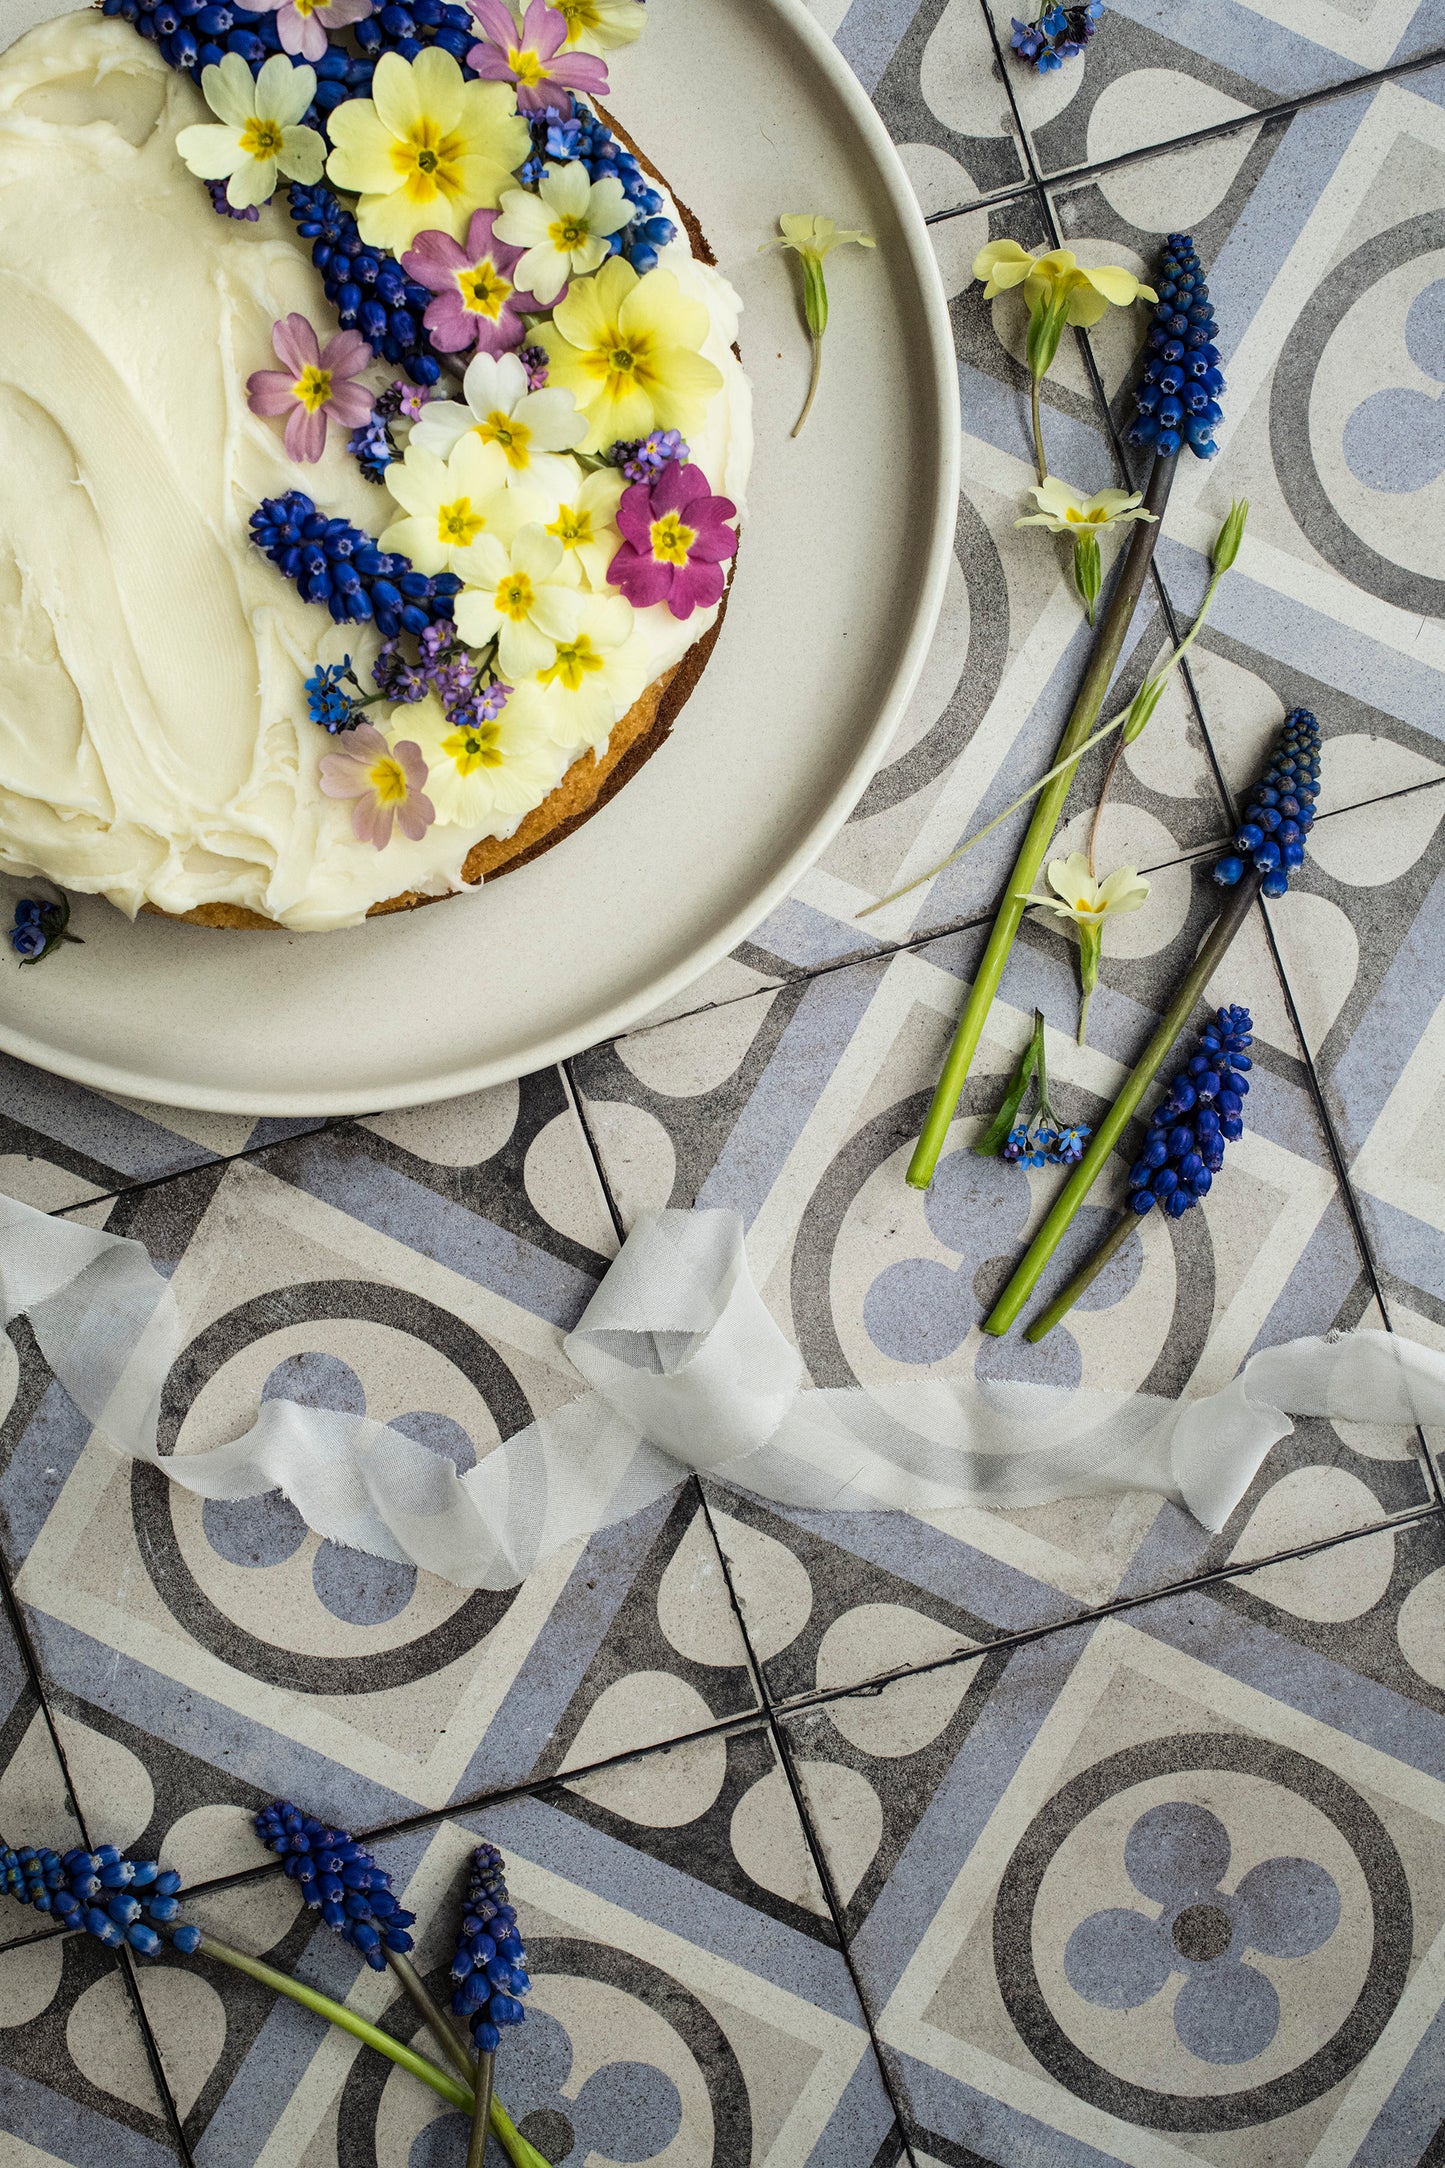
(303, 24)
(675, 543)
(477, 303)
(531, 58)
(313, 385)
(385, 783)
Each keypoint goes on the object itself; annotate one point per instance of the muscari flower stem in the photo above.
(477, 2143)
(1108, 646)
(1087, 1273)
(431, 2012)
(452, 2089)
(1239, 901)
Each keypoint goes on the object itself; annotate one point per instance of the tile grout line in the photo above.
(218, 1161)
(573, 1092)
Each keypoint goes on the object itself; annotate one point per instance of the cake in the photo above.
(350, 555)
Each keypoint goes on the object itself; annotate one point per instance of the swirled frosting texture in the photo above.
(154, 741)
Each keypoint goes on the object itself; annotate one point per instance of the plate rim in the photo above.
(613, 1021)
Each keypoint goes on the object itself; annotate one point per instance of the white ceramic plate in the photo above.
(749, 111)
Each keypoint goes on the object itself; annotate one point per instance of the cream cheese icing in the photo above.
(154, 740)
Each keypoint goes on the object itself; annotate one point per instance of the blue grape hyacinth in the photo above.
(117, 1901)
(1201, 1111)
(490, 1963)
(1178, 396)
(1280, 810)
(368, 289)
(339, 1879)
(1060, 34)
(587, 138)
(333, 562)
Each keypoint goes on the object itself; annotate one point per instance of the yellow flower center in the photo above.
(428, 163)
(483, 289)
(576, 662)
(671, 541)
(622, 361)
(1077, 517)
(387, 778)
(261, 138)
(578, 15)
(571, 526)
(515, 597)
(528, 67)
(309, 7)
(567, 234)
(457, 524)
(474, 746)
(313, 387)
(514, 437)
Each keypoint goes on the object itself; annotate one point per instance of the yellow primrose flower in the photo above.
(1087, 902)
(1064, 511)
(258, 134)
(813, 237)
(593, 680)
(486, 775)
(627, 348)
(426, 149)
(525, 597)
(447, 505)
(595, 26)
(588, 525)
(1058, 278)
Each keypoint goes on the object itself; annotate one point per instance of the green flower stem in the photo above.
(451, 2089)
(1237, 907)
(1039, 460)
(430, 2011)
(1111, 1245)
(477, 2143)
(1108, 646)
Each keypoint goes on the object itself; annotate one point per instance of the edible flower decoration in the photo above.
(629, 351)
(531, 59)
(489, 1966)
(479, 301)
(564, 228)
(1059, 34)
(1088, 903)
(522, 430)
(304, 26)
(1059, 291)
(446, 504)
(487, 771)
(313, 386)
(257, 133)
(1064, 510)
(39, 927)
(588, 525)
(425, 150)
(385, 784)
(523, 597)
(813, 237)
(596, 26)
(676, 541)
(338, 564)
(596, 674)
(1043, 1140)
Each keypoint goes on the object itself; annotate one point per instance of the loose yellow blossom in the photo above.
(1088, 903)
(426, 149)
(595, 26)
(447, 505)
(1058, 278)
(1066, 511)
(593, 680)
(627, 348)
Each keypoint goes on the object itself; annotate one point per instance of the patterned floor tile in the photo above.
(76, 2084)
(1321, 236)
(690, 2003)
(930, 68)
(1154, 74)
(1163, 1889)
(798, 1108)
(35, 1802)
(206, 1656)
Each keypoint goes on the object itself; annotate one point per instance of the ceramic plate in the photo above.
(749, 111)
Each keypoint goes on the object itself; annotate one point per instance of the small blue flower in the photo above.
(1202, 1110)
(489, 1966)
(1178, 399)
(326, 702)
(39, 927)
(115, 1900)
(372, 448)
(642, 459)
(339, 1879)
(1279, 811)
(333, 562)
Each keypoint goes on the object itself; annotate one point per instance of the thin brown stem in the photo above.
(1039, 460)
(477, 2143)
(1103, 794)
(431, 2012)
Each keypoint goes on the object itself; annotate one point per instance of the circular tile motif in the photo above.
(1198, 1967)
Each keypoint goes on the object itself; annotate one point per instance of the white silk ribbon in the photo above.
(687, 1370)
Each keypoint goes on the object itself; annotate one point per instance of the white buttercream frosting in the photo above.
(154, 740)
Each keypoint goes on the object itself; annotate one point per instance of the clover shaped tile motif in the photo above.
(634, 2097)
(1177, 1855)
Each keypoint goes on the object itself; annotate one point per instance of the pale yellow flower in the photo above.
(563, 229)
(588, 524)
(525, 597)
(595, 26)
(1058, 279)
(1065, 510)
(592, 681)
(1088, 903)
(447, 505)
(257, 135)
(426, 149)
(627, 348)
(486, 775)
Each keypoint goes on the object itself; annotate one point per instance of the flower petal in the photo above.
(296, 343)
(1117, 1959)
(283, 92)
(522, 649)
(230, 91)
(212, 154)
(270, 391)
(303, 155)
(1226, 2013)
(305, 435)
(1116, 284)
(361, 160)
(254, 181)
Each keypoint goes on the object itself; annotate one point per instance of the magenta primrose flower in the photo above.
(385, 781)
(476, 302)
(531, 57)
(313, 385)
(676, 541)
(303, 24)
